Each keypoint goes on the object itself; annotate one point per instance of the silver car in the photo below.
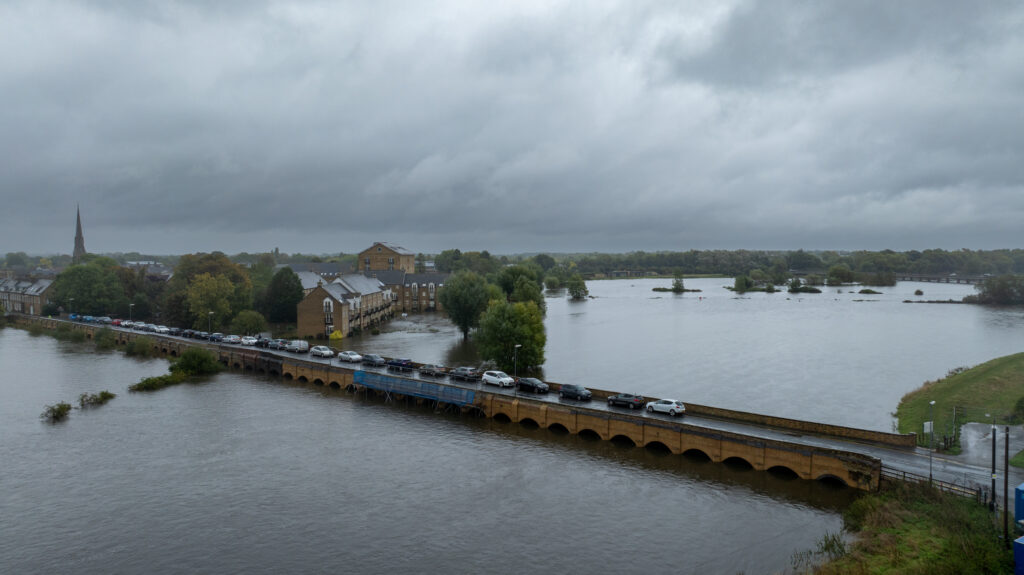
(499, 378)
(350, 356)
(670, 406)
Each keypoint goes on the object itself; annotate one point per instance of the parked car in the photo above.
(466, 373)
(401, 364)
(201, 335)
(499, 378)
(350, 356)
(531, 384)
(262, 342)
(374, 360)
(321, 351)
(297, 346)
(669, 406)
(433, 370)
(249, 340)
(629, 400)
(573, 391)
(174, 331)
(232, 339)
(218, 337)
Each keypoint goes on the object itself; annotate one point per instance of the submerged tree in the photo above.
(504, 326)
(464, 298)
(577, 287)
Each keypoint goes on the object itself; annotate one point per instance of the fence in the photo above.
(966, 489)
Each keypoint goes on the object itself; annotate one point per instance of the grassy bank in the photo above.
(993, 387)
(911, 528)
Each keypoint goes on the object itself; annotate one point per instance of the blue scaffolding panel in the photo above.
(424, 389)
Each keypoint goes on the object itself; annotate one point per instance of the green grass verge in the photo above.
(912, 528)
(992, 387)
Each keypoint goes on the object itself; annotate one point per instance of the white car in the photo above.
(499, 378)
(321, 351)
(162, 329)
(670, 406)
(350, 356)
(248, 340)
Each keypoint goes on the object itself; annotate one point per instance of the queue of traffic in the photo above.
(464, 373)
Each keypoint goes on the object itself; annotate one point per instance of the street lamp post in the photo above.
(992, 505)
(209, 322)
(931, 438)
(515, 367)
(130, 306)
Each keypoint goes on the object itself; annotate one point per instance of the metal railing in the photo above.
(972, 490)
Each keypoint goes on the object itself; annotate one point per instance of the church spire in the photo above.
(76, 257)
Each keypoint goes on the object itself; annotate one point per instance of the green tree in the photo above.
(464, 298)
(505, 325)
(742, 284)
(176, 308)
(528, 290)
(509, 276)
(283, 295)
(839, 274)
(16, 259)
(545, 261)
(577, 287)
(553, 282)
(92, 288)
(209, 294)
(248, 322)
(677, 283)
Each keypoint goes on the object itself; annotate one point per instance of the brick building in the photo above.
(383, 256)
(25, 296)
(350, 303)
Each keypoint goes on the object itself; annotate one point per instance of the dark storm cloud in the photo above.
(562, 126)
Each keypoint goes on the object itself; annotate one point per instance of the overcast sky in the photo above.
(511, 126)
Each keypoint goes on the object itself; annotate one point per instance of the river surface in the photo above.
(250, 474)
(837, 357)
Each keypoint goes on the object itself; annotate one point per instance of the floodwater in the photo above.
(836, 357)
(250, 474)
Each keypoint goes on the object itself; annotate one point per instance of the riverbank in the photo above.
(913, 528)
(981, 394)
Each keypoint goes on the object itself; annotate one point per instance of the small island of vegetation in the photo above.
(193, 363)
(677, 285)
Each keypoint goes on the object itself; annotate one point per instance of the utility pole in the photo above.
(1006, 487)
(993, 505)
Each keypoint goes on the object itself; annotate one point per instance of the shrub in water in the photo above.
(158, 382)
(140, 346)
(56, 412)
(196, 361)
(105, 339)
(89, 400)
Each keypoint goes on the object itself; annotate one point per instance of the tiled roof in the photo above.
(387, 277)
(309, 280)
(27, 287)
(427, 278)
(395, 248)
(359, 284)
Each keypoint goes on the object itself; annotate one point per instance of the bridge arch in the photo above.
(738, 463)
(834, 480)
(783, 472)
(334, 385)
(318, 381)
(695, 454)
(303, 379)
(288, 376)
(558, 428)
(529, 422)
(623, 440)
(502, 417)
(590, 434)
(658, 447)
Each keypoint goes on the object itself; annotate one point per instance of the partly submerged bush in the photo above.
(140, 346)
(158, 382)
(56, 412)
(196, 361)
(93, 399)
(105, 339)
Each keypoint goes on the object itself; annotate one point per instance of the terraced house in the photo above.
(350, 303)
(384, 256)
(25, 296)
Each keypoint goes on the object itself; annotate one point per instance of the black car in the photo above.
(573, 391)
(629, 400)
(262, 342)
(174, 331)
(401, 364)
(201, 335)
(433, 370)
(466, 373)
(373, 359)
(532, 385)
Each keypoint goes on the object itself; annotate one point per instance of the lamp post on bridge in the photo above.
(992, 503)
(515, 368)
(209, 322)
(931, 438)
